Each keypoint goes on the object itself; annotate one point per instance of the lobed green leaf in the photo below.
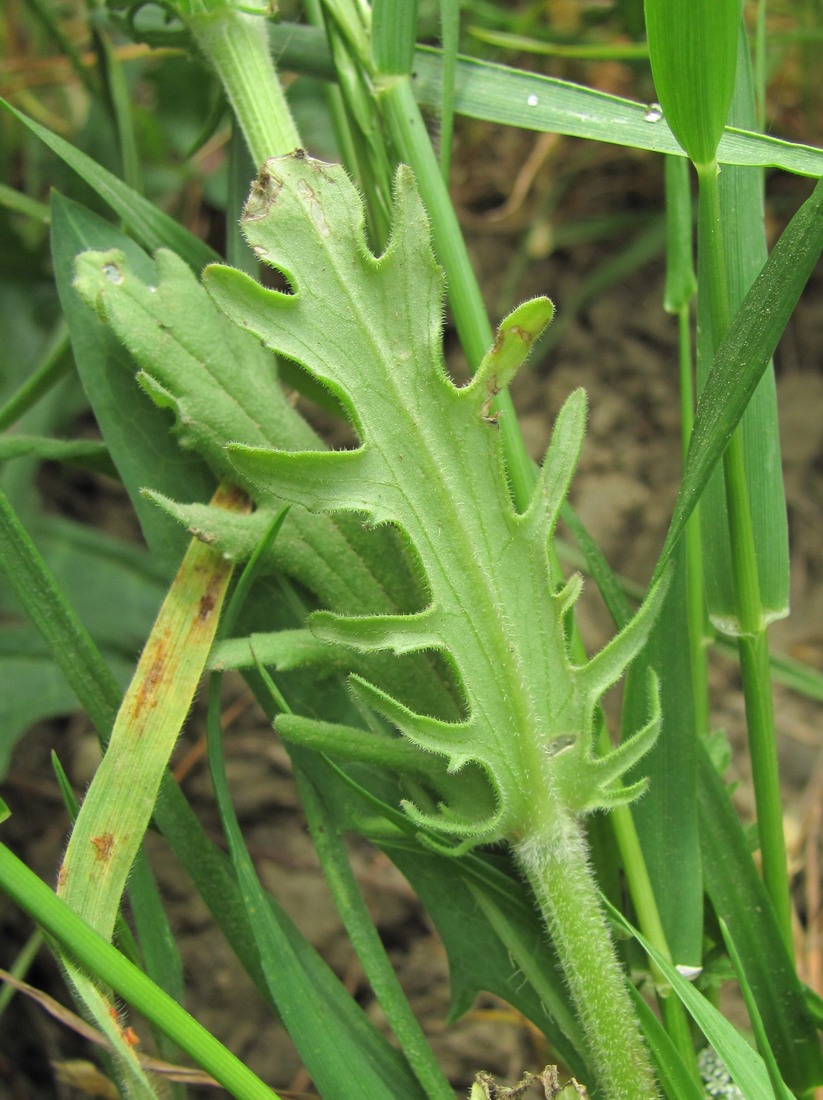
(430, 463)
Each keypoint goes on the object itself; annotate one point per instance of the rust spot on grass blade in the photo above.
(205, 607)
(103, 845)
(147, 692)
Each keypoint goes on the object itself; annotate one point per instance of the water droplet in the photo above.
(690, 973)
(532, 101)
(653, 112)
(113, 273)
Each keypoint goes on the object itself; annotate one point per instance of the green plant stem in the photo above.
(236, 45)
(752, 644)
(695, 595)
(554, 860)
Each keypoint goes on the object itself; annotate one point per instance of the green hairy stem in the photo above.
(518, 764)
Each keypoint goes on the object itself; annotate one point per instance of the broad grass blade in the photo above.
(741, 198)
(393, 35)
(118, 805)
(137, 432)
(693, 52)
(666, 815)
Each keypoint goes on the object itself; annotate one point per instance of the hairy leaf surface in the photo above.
(429, 462)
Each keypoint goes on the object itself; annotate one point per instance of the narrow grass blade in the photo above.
(151, 226)
(50, 18)
(450, 37)
(86, 453)
(158, 947)
(763, 1044)
(92, 951)
(497, 93)
(365, 939)
(20, 203)
(613, 595)
(673, 1073)
(739, 899)
(119, 102)
(745, 353)
(32, 581)
(745, 1064)
(680, 278)
(56, 364)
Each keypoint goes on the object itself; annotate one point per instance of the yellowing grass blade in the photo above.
(118, 807)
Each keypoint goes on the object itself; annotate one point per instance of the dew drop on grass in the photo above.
(532, 101)
(653, 112)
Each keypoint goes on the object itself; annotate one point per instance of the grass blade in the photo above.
(347, 1058)
(393, 35)
(739, 899)
(741, 199)
(64, 634)
(693, 54)
(95, 953)
(745, 1064)
(118, 806)
(763, 1045)
(496, 93)
(151, 226)
(514, 97)
(666, 816)
(745, 353)
(673, 1073)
